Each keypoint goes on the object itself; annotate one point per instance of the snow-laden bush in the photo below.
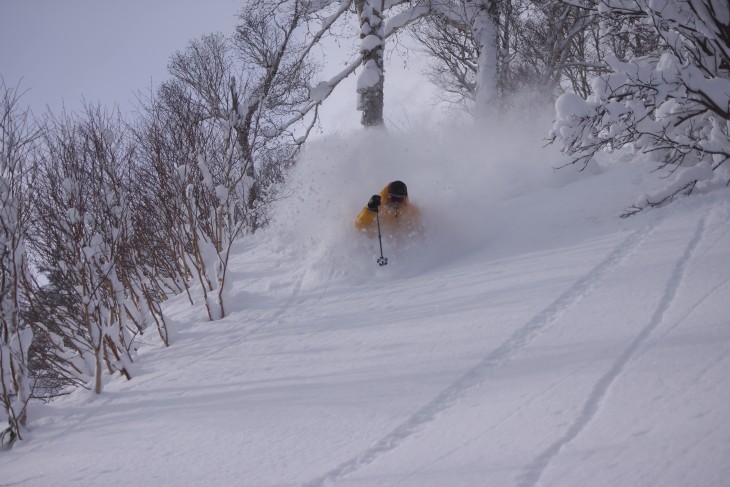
(673, 105)
(16, 137)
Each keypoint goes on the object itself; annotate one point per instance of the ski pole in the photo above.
(381, 260)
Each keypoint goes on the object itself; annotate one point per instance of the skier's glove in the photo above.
(374, 203)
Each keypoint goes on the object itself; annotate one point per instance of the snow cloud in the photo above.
(457, 173)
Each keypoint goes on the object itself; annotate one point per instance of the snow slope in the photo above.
(532, 338)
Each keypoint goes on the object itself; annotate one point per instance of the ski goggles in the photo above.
(396, 199)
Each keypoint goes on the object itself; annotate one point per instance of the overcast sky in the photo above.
(108, 50)
(99, 49)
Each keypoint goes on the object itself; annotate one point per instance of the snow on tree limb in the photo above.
(403, 19)
(674, 104)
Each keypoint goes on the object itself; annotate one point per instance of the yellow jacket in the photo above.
(405, 220)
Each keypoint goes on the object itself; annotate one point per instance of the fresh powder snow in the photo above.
(531, 338)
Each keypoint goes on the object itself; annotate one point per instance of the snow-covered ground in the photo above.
(532, 338)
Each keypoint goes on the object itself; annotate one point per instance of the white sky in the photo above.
(66, 50)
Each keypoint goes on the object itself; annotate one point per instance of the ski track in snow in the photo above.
(497, 357)
(533, 472)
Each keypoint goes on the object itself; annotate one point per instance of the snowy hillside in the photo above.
(532, 338)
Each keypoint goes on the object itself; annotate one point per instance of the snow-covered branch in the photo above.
(674, 105)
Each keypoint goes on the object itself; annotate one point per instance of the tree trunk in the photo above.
(485, 29)
(371, 82)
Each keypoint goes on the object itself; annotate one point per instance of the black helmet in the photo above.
(397, 188)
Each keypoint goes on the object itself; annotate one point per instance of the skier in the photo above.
(397, 216)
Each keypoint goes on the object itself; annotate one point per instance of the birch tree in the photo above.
(221, 133)
(82, 238)
(490, 55)
(17, 134)
(371, 82)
